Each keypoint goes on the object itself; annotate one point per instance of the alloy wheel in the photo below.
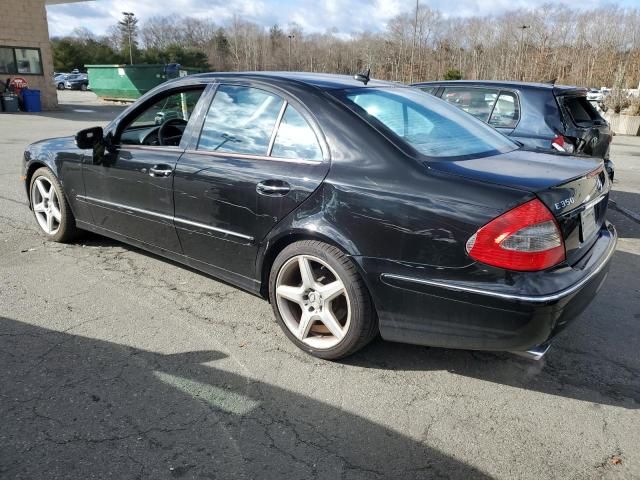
(313, 301)
(46, 205)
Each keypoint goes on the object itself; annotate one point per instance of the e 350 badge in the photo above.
(564, 203)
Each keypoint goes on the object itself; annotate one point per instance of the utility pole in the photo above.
(129, 16)
(521, 59)
(291, 36)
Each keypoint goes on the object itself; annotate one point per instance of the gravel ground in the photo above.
(119, 364)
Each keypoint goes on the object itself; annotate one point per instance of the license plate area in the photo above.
(588, 224)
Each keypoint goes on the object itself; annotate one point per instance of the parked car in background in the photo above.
(541, 116)
(595, 95)
(77, 81)
(59, 79)
(352, 206)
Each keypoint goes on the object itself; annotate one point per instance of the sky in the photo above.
(347, 16)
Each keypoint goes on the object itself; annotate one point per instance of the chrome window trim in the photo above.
(508, 296)
(166, 217)
(153, 148)
(276, 127)
(254, 157)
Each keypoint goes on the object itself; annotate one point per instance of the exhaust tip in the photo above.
(536, 353)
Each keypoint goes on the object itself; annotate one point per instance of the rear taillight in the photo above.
(526, 238)
(563, 144)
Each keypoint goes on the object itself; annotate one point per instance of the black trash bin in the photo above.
(10, 103)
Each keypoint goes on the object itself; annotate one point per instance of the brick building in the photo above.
(25, 50)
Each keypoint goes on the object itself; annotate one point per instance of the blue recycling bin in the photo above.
(31, 100)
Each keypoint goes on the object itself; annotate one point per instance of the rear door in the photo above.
(259, 155)
(587, 130)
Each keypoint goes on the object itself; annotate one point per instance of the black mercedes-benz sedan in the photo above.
(353, 206)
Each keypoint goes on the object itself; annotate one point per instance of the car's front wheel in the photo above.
(50, 207)
(320, 300)
(61, 86)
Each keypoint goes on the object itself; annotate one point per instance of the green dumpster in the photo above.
(129, 82)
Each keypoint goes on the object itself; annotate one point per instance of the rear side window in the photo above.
(295, 138)
(433, 128)
(581, 111)
(476, 101)
(240, 120)
(506, 111)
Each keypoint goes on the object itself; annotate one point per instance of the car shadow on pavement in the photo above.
(76, 407)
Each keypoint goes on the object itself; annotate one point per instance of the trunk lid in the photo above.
(574, 189)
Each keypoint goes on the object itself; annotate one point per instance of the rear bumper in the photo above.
(515, 312)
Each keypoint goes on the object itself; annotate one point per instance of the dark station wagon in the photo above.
(541, 116)
(354, 206)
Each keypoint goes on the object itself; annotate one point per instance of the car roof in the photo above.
(324, 81)
(557, 89)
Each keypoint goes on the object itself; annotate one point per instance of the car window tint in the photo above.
(582, 112)
(240, 120)
(295, 138)
(432, 127)
(506, 112)
(476, 101)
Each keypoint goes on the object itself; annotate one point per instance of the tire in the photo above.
(83, 87)
(61, 86)
(291, 297)
(63, 224)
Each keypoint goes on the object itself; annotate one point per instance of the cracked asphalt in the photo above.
(118, 364)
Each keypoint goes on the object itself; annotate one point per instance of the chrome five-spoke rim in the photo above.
(46, 205)
(313, 301)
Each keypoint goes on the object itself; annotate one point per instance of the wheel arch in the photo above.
(275, 245)
(31, 169)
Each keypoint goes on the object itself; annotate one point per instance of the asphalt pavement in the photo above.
(115, 363)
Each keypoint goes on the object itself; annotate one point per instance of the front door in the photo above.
(256, 160)
(130, 190)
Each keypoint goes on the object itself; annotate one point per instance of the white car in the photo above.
(595, 95)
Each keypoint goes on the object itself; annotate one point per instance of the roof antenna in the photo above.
(363, 76)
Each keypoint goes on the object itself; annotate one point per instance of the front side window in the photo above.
(506, 112)
(295, 138)
(240, 120)
(430, 126)
(163, 122)
(475, 101)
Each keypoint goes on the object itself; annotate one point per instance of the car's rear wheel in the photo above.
(61, 86)
(320, 300)
(50, 207)
(83, 87)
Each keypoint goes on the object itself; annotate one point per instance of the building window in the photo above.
(20, 60)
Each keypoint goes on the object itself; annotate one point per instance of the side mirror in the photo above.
(89, 137)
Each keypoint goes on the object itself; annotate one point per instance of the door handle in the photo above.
(161, 171)
(273, 188)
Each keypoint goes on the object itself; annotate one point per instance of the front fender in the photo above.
(62, 157)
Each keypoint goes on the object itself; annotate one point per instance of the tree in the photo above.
(453, 74)
(128, 28)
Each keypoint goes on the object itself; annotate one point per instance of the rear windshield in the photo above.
(582, 112)
(428, 124)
